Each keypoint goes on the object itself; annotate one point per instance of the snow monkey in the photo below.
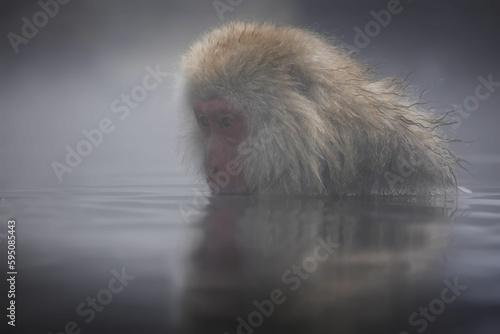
(282, 110)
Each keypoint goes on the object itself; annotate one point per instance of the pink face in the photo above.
(224, 128)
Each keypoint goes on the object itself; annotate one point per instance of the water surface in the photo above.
(247, 265)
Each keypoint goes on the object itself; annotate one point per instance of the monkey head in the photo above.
(251, 128)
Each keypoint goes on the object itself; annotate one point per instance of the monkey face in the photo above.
(224, 128)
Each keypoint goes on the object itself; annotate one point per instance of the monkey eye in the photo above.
(203, 120)
(226, 122)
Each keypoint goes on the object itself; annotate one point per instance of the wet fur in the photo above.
(331, 126)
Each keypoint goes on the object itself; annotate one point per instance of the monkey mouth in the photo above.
(235, 186)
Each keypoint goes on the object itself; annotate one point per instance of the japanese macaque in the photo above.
(281, 110)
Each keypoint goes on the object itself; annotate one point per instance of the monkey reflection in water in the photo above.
(274, 109)
(314, 266)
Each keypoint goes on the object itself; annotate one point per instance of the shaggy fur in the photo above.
(329, 126)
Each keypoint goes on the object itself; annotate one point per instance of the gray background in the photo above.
(64, 80)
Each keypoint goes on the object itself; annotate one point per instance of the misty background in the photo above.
(66, 77)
